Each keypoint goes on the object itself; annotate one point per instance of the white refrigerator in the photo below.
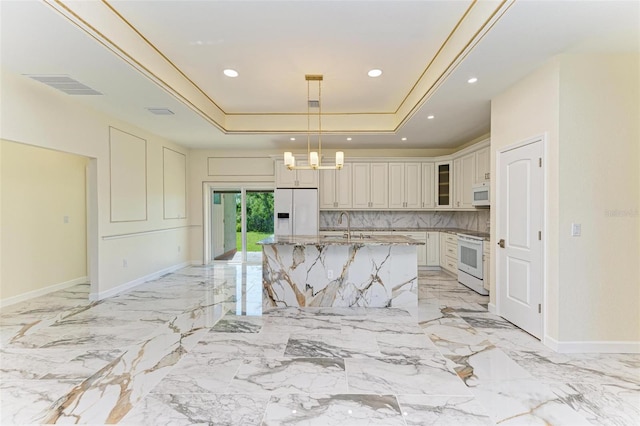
(295, 212)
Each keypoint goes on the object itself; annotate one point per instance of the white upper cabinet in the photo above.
(335, 188)
(405, 185)
(396, 185)
(483, 165)
(428, 197)
(399, 183)
(444, 184)
(361, 185)
(413, 185)
(286, 178)
(370, 185)
(465, 172)
(379, 185)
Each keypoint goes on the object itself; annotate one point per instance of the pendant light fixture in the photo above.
(314, 158)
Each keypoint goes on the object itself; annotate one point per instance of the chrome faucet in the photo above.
(342, 213)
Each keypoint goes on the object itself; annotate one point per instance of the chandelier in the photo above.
(314, 158)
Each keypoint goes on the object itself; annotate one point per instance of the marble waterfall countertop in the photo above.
(483, 235)
(371, 240)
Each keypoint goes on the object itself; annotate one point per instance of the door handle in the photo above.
(501, 243)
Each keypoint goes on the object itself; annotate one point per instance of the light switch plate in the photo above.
(576, 229)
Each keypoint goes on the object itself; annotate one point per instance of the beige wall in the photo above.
(40, 188)
(599, 188)
(530, 109)
(34, 114)
(587, 107)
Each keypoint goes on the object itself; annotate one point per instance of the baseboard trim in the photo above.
(492, 308)
(131, 284)
(602, 347)
(41, 292)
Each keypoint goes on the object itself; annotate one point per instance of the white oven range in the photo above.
(470, 262)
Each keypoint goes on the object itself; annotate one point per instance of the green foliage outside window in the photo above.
(259, 212)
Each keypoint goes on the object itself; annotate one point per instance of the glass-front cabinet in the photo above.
(443, 184)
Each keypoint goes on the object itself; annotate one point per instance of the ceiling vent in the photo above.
(160, 111)
(65, 84)
(314, 104)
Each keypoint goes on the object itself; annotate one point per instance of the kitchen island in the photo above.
(335, 271)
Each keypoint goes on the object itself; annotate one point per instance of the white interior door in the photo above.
(520, 249)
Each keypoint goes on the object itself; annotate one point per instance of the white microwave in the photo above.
(481, 195)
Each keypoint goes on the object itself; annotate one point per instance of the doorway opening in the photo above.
(239, 219)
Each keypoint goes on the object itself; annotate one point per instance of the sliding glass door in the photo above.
(240, 218)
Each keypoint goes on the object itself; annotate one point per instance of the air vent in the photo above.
(65, 84)
(314, 104)
(160, 111)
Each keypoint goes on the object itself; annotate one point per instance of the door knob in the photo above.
(501, 243)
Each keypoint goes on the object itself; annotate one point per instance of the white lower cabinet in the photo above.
(449, 252)
(422, 249)
(433, 249)
(486, 262)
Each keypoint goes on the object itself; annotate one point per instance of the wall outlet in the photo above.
(179, 249)
(125, 263)
(65, 219)
(330, 274)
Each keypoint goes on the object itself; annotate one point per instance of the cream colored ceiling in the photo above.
(172, 53)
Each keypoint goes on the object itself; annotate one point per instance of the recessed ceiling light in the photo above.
(375, 73)
(348, 139)
(292, 139)
(230, 73)
(430, 117)
(472, 80)
(404, 139)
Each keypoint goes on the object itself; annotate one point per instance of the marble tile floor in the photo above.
(194, 347)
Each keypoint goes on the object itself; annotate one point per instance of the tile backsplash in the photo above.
(471, 220)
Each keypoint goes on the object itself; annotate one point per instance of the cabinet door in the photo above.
(361, 185)
(285, 178)
(465, 169)
(428, 198)
(443, 249)
(433, 249)
(307, 178)
(327, 190)
(412, 185)
(343, 187)
(486, 261)
(379, 185)
(483, 165)
(422, 249)
(443, 183)
(396, 185)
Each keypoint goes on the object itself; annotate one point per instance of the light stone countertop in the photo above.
(483, 235)
(373, 240)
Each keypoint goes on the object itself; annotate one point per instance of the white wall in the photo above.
(40, 189)
(526, 110)
(34, 114)
(587, 106)
(599, 297)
